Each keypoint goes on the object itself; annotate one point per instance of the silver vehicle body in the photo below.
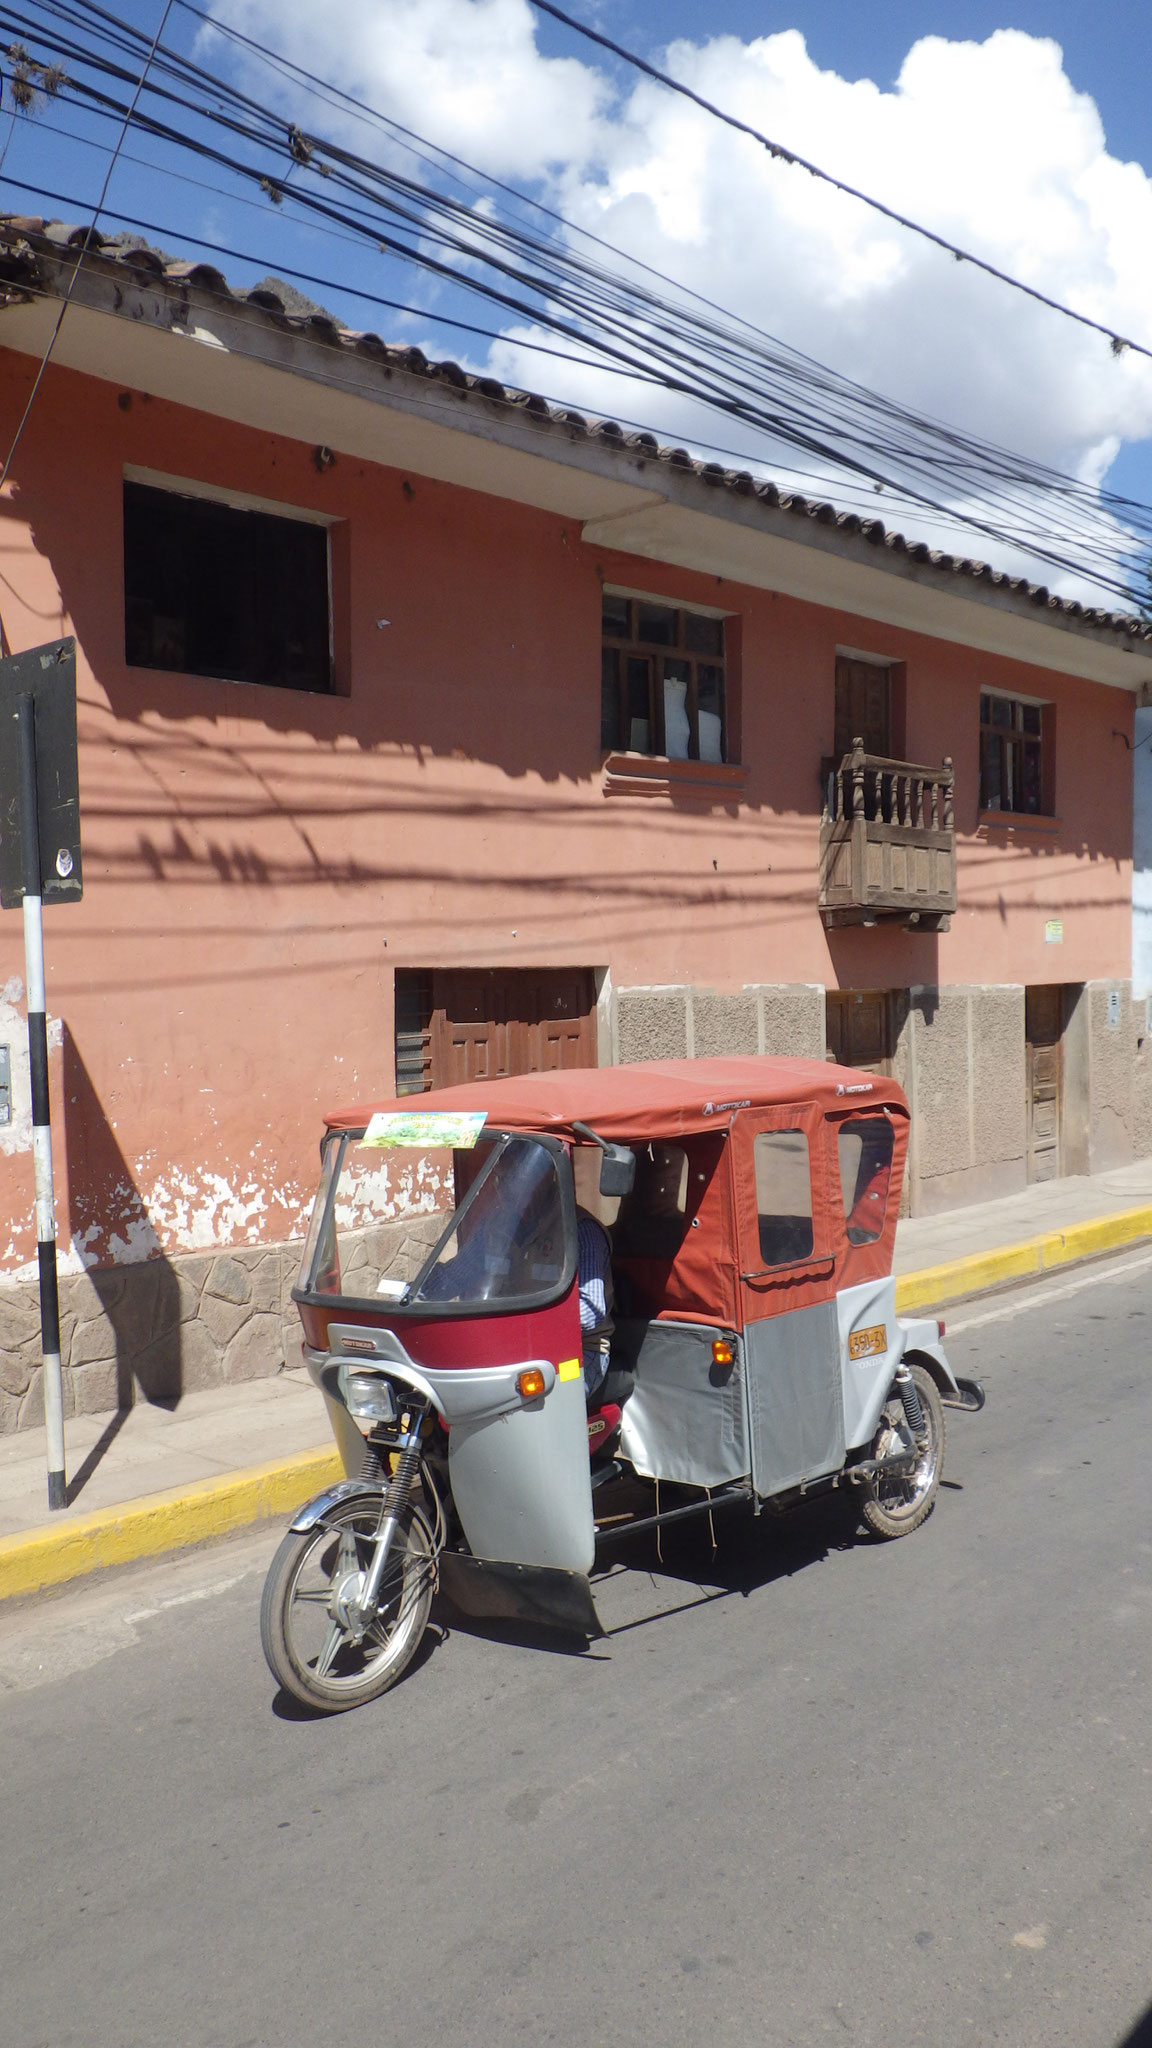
(793, 1406)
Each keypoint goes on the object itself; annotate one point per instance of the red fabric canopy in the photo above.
(648, 1099)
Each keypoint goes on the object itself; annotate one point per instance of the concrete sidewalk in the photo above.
(153, 1479)
(1054, 1205)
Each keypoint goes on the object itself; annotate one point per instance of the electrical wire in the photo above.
(55, 336)
(668, 337)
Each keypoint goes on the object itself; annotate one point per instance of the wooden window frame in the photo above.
(1011, 742)
(619, 650)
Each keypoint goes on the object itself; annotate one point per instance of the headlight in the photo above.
(366, 1395)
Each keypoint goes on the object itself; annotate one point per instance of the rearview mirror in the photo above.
(617, 1170)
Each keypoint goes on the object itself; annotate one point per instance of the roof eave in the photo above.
(187, 339)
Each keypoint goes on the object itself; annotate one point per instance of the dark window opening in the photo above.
(864, 1149)
(1011, 755)
(654, 1217)
(863, 708)
(783, 1196)
(662, 681)
(210, 590)
(413, 1031)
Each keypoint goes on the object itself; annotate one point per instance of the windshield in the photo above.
(475, 1224)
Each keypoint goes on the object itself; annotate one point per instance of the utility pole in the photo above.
(39, 856)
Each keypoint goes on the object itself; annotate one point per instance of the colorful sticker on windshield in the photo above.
(460, 1129)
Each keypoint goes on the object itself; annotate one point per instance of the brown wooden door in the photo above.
(477, 1024)
(1042, 1017)
(863, 707)
(859, 1029)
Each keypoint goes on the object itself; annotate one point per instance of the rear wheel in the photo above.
(308, 1626)
(905, 1500)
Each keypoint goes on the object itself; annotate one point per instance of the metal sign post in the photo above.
(39, 856)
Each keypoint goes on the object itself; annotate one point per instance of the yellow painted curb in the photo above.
(936, 1285)
(161, 1522)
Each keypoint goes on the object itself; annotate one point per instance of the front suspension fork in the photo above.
(393, 1505)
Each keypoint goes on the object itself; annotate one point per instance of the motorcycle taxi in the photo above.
(756, 1355)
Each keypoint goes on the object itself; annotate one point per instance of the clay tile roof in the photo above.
(25, 238)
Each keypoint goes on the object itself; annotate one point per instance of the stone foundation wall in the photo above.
(155, 1331)
(682, 1022)
(960, 1059)
(1141, 1080)
(1106, 1082)
(170, 1327)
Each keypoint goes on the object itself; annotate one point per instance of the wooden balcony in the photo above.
(887, 843)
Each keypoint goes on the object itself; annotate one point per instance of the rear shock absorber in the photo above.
(913, 1412)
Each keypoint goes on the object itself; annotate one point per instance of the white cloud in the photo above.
(464, 73)
(988, 143)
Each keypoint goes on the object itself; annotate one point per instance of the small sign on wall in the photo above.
(1054, 932)
(1113, 1009)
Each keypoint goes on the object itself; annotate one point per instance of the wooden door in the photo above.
(1042, 1019)
(477, 1024)
(863, 707)
(858, 1028)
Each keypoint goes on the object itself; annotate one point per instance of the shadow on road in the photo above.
(749, 1552)
(287, 1708)
(1139, 2036)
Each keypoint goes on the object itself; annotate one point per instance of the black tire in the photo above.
(901, 1504)
(309, 1649)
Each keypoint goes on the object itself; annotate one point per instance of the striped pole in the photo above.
(25, 713)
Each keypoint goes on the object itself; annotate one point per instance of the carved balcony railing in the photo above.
(887, 842)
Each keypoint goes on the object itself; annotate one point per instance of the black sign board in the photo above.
(48, 676)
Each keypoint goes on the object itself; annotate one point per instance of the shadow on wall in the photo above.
(125, 1340)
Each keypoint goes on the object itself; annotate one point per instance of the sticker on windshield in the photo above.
(460, 1129)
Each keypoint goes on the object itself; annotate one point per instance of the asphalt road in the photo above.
(819, 1789)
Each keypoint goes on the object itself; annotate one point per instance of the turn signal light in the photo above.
(721, 1352)
(531, 1383)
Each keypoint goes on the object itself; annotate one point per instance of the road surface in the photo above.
(816, 1789)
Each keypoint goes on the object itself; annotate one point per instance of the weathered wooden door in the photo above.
(1042, 1018)
(863, 707)
(477, 1024)
(859, 1028)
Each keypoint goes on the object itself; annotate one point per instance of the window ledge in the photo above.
(1030, 822)
(656, 775)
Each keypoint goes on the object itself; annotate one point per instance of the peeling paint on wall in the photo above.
(200, 1209)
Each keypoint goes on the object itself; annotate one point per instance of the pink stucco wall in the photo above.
(257, 862)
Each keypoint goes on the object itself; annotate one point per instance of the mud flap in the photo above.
(490, 1590)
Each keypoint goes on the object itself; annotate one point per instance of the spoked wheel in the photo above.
(307, 1625)
(904, 1501)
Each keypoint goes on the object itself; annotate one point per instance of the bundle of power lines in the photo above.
(415, 204)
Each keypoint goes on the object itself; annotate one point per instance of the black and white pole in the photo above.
(25, 715)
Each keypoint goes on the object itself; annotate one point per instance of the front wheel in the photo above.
(902, 1502)
(308, 1625)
